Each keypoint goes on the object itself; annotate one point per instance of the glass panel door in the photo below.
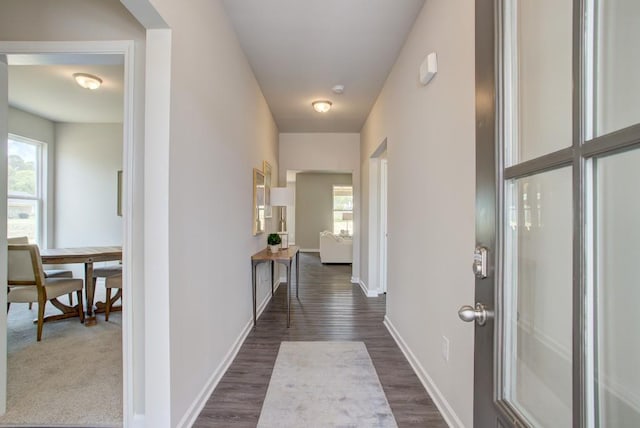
(567, 210)
(617, 290)
(616, 33)
(538, 293)
(538, 47)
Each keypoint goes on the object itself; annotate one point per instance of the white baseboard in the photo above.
(309, 250)
(366, 291)
(138, 421)
(449, 415)
(196, 407)
(355, 280)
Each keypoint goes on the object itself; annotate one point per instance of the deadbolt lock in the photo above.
(480, 262)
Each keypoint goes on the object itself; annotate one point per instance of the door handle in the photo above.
(480, 314)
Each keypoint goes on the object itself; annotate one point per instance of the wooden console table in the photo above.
(284, 257)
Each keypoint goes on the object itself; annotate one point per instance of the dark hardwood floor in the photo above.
(329, 308)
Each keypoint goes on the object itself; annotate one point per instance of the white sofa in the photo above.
(335, 248)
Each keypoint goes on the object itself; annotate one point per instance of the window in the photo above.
(24, 189)
(343, 210)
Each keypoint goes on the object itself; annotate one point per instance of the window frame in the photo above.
(40, 196)
(334, 209)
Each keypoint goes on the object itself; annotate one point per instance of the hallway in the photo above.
(330, 308)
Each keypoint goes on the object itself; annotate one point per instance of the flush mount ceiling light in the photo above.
(321, 106)
(87, 81)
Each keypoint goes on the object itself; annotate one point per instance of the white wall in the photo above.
(87, 159)
(221, 128)
(314, 199)
(338, 152)
(430, 135)
(97, 20)
(31, 126)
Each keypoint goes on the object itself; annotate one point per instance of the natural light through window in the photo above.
(343, 210)
(24, 188)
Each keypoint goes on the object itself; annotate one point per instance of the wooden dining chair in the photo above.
(48, 273)
(111, 282)
(27, 284)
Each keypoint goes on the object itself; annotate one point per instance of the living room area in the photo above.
(322, 218)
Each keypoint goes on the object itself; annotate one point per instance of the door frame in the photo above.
(126, 49)
(384, 202)
(374, 269)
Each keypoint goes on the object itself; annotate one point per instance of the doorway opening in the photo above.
(86, 150)
(378, 202)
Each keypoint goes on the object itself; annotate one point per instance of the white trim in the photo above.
(201, 399)
(374, 216)
(4, 132)
(366, 291)
(126, 49)
(382, 226)
(157, 323)
(137, 421)
(449, 415)
(355, 280)
(307, 250)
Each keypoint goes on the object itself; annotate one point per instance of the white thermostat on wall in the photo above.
(428, 68)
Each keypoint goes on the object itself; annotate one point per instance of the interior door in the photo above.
(558, 145)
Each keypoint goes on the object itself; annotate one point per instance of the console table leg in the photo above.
(289, 294)
(297, 273)
(253, 289)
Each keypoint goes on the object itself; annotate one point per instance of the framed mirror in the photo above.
(258, 201)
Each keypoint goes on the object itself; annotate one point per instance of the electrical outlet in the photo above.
(445, 348)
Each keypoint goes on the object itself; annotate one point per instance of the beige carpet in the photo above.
(325, 384)
(73, 377)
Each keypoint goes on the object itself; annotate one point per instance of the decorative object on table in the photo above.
(258, 202)
(283, 197)
(347, 218)
(284, 238)
(274, 241)
(266, 169)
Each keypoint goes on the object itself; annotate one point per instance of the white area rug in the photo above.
(325, 384)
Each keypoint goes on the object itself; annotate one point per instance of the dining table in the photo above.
(87, 256)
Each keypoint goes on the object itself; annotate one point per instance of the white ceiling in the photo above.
(300, 49)
(44, 85)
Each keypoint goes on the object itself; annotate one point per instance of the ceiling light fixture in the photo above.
(87, 81)
(321, 106)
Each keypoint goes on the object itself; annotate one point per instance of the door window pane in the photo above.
(538, 297)
(617, 378)
(538, 77)
(617, 32)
